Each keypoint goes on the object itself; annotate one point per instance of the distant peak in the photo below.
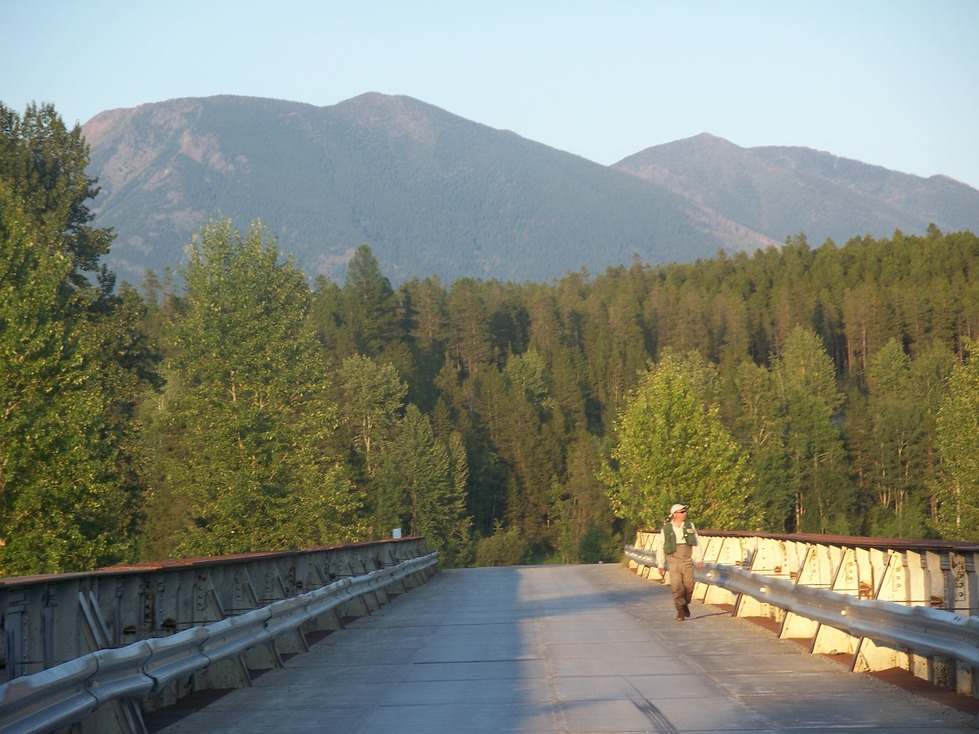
(369, 97)
(712, 141)
(708, 137)
(378, 99)
(948, 179)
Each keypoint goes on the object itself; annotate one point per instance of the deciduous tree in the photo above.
(64, 503)
(671, 447)
(252, 447)
(957, 489)
(72, 361)
(371, 397)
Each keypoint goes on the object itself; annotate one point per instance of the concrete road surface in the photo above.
(568, 649)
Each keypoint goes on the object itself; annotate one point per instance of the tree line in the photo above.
(235, 405)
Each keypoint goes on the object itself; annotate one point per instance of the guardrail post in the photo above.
(387, 558)
(343, 567)
(891, 571)
(830, 640)
(420, 576)
(644, 541)
(12, 643)
(311, 572)
(940, 570)
(380, 596)
(246, 598)
(815, 571)
(764, 556)
(919, 593)
(964, 597)
(123, 716)
(719, 550)
(275, 588)
(208, 609)
(372, 600)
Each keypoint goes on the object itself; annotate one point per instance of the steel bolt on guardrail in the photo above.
(118, 679)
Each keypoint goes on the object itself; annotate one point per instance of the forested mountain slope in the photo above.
(430, 192)
(435, 194)
(784, 191)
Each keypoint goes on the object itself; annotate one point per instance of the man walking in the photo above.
(678, 544)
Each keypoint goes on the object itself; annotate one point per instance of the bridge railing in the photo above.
(98, 650)
(882, 603)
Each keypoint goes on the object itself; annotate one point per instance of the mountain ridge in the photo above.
(764, 191)
(435, 194)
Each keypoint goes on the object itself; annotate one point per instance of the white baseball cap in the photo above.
(678, 508)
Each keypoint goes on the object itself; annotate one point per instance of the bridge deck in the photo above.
(561, 649)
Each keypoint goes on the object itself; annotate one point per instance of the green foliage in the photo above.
(43, 163)
(600, 545)
(532, 380)
(371, 398)
(823, 390)
(896, 444)
(249, 429)
(71, 362)
(957, 489)
(581, 510)
(505, 547)
(369, 308)
(57, 495)
(823, 498)
(761, 424)
(421, 487)
(672, 447)
(527, 443)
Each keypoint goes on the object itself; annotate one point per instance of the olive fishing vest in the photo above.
(669, 538)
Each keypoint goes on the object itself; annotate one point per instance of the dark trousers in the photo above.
(680, 566)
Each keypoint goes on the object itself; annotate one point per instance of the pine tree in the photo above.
(806, 379)
(421, 481)
(369, 307)
(897, 446)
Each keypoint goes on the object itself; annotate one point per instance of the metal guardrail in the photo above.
(885, 603)
(925, 630)
(108, 689)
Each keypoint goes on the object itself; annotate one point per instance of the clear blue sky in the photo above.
(889, 82)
